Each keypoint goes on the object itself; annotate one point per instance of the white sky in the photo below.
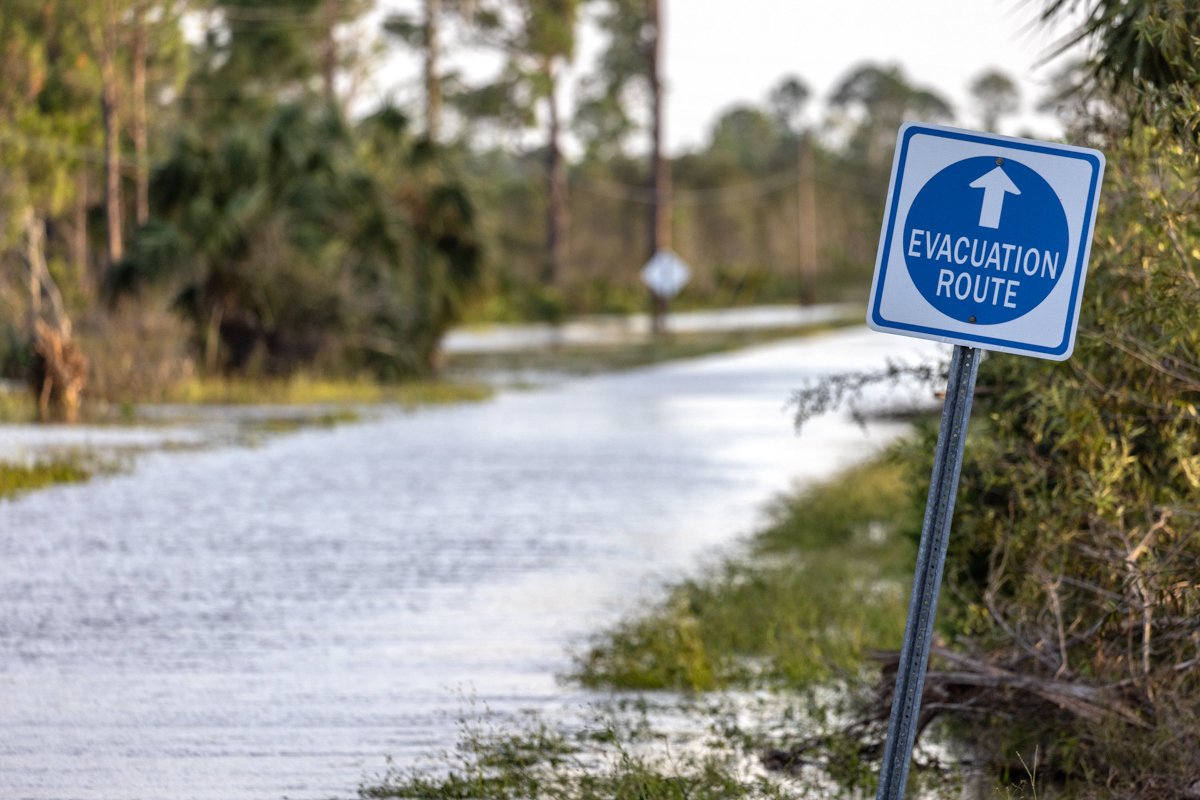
(722, 52)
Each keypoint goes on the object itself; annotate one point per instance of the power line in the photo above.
(748, 190)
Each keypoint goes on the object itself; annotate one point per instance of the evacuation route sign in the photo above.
(985, 240)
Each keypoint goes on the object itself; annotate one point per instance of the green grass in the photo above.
(17, 478)
(595, 358)
(825, 583)
(308, 390)
(17, 406)
(607, 762)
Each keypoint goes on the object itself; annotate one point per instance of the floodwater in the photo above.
(278, 621)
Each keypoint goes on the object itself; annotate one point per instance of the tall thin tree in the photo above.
(432, 69)
(141, 152)
(105, 42)
(660, 166)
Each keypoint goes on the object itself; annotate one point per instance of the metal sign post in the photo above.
(931, 558)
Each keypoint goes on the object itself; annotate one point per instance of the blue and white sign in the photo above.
(985, 240)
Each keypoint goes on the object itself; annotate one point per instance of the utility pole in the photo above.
(557, 211)
(433, 81)
(329, 52)
(660, 167)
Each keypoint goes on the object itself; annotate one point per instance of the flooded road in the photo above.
(277, 621)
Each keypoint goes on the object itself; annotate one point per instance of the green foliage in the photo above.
(787, 101)
(748, 137)
(537, 38)
(602, 117)
(824, 587)
(292, 244)
(996, 96)
(875, 100)
(1121, 35)
(256, 52)
(1078, 527)
(1075, 550)
(45, 116)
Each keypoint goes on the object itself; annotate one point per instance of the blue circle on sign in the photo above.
(986, 240)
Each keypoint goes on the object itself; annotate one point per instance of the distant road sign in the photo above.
(985, 240)
(665, 274)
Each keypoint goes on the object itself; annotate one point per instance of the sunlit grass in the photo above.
(17, 406)
(17, 477)
(309, 390)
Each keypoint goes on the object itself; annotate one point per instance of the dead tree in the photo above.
(58, 371)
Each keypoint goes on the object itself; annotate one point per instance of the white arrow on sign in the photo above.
(995, 185)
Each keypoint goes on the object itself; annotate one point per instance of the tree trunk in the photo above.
(212, 339)
(58, 371)
(329, 53)
(557, 211)
(112, 134)
(32, 258)
(79, 233)
(807, 222)
(140, 144)
(433, 79)
(660, 167)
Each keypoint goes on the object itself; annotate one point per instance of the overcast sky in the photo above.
(722, 52)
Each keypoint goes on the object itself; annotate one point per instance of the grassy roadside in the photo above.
(17, 406)
(789, 624)
(822, 585)
(16, 478)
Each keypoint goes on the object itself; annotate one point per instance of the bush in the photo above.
(137, 353)
(1077, 536)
